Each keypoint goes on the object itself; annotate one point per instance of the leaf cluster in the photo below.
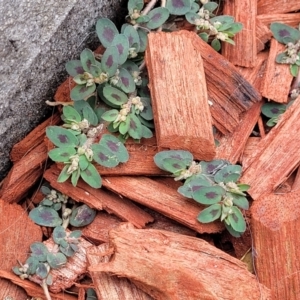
(213, 184)
(48, 212)
(290, 37)
(78, 148)
(273, 111)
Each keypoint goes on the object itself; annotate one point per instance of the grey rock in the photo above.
(37, 38)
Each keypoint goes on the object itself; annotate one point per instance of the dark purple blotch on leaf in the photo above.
(63, 138)
(83, 89)
(46, 216)
(210, 195)
(274, 110)
(120, 49)
(116, 96)
(79, 70)
(88, 63)
(235, 218)
(84, 214)
(214, 212)
(132, 125)
(112, 146)
(176, 166)
(102, 156)
(283, 33)
(108, 34)
(156, 17)
(177, 3)
(125, 81)
(110, 61)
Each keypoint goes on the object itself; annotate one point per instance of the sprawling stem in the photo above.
(45, 289)
(149, 6)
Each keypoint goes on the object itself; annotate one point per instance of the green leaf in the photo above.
(45, 216)
(204, 36)
(74, 67)
(142, 19)
(91, 176)
(126, 81)
(17, 271)
(75, 234)
(146, 132)
(216, 44)
(135, 127)
(59, 234)
(210, 168)
(104, 156)
(191, 17)
(110, 115)
(243, 187)
(114, 145)
(63, 176)
(121, 42)
(209, 195)
(143, 39)
(130, 66)
(49, 279)
(71, 114)
(39, 251)
(75, 176)
(195, 7)
(237, 220)
(41, 271)
(235, 28)
(222, 19)
(147, 112)
(32, 263)
(178, 7)
(88, 62)
(45, 190)
(232, 231)
(132, 36)
(90, 115)
(184, 156)
(56, 260)
(281, 58)
(281, 32)
(106, 31)
(82, 216)
(273, 109)
(81, 92)
(158, 16)
(240, 201)
(229, 173)
(193, 185)
(114, 95)
(61, 137)
(210, 6)
(67, 251)
(210, 214)
(294, 69)
(173, 165)
(124, 126)
(135, 4)
(110, 60)
(61, 154)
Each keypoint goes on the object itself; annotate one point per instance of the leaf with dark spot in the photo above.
(106, 31)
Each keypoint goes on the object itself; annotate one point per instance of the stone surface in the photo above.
(37, 38)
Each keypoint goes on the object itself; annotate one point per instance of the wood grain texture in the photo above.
(228, 90)
(243, 53)
(170, 266)
(292, 19)
(263, 35)
(108, 286)
(232, 145)
(277, 6)
(163, 199)
(179, 95)
(100, 199)
(276, 156)
(33, 289)
(33, 139)
(275, 223)
(24, 174)
(277, 80)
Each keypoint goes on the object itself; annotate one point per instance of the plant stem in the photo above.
(149, 6)
(45, 289)
(142, 65)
